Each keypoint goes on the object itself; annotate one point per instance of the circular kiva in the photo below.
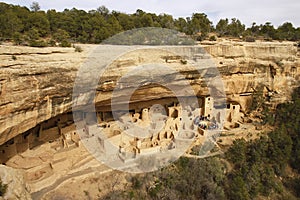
(147, 114)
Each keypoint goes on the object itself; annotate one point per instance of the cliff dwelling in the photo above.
(161, 127)
(48, 140)
(154, 124)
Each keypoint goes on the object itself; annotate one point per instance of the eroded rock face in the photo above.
(244, 66)
(35, 86)
(16, 187)
(37, 83)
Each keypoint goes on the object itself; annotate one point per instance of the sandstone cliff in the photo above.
(36, 84)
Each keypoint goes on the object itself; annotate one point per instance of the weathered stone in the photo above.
(16, 187)
(38, 85)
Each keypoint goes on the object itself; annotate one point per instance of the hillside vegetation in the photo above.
(40, 28)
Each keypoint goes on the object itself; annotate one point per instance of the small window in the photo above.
(228, 106)
(11, 141)
(233, 107)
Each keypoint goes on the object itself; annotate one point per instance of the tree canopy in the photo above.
(35, 26)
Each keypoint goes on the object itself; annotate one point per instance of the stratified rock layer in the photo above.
(36, 84)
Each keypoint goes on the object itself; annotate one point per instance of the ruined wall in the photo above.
(37, 85)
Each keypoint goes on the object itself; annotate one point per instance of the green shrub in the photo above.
(212, 38)
(52, 43)
(78, 49)
(65, 44)
(3, 188)
(268, 39)
(199, 38)
(38, 43)
(14, 57)
(17, 38)
(136, 182)
(250, 39)
(293, 184)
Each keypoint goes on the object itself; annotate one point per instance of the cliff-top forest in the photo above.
(35, 27)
